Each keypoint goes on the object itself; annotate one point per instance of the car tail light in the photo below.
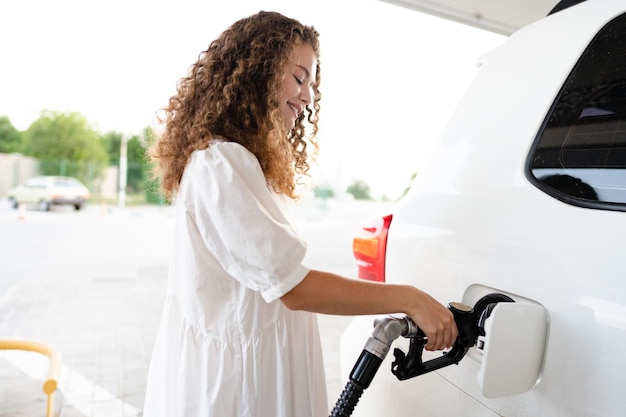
(369, 246)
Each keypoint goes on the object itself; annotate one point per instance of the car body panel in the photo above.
(474, 220)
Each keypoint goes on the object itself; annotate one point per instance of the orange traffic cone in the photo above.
(21, 212)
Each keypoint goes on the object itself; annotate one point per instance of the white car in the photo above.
(524, 196)
(46, 191)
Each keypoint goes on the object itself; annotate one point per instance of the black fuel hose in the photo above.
(360, 378)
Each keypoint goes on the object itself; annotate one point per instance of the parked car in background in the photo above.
(48, 191)
(525, 195)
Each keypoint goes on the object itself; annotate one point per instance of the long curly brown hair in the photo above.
(232, 92)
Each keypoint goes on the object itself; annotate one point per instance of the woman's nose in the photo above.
(305, 95)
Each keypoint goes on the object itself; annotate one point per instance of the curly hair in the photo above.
(231, 92)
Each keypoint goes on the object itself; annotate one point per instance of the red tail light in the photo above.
(369, 247)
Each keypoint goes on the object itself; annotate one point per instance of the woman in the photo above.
(237, 335)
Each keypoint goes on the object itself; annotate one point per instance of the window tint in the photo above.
(580, 154)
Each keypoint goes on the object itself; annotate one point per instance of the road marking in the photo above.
(78, 391)
(7, 295)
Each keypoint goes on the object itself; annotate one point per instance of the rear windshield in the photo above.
(67, 183)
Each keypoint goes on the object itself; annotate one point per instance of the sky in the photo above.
(391, 76)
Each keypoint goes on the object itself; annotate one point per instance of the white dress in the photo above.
(226, 345)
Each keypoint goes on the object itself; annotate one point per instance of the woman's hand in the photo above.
(435, 320)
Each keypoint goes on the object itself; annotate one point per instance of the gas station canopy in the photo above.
(501, 16)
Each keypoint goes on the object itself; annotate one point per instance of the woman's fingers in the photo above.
(437, 322)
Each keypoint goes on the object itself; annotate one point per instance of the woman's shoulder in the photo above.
(227, 158)
(223, 151)
(225, 165)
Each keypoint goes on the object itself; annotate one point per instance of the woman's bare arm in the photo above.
(328, 293)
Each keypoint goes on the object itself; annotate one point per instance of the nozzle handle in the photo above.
(467, 319)
(411, 365)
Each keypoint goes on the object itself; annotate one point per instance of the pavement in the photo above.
(92, 283)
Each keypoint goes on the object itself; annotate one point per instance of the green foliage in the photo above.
(135, 155)
(10, 137)
(66, 144)
(359, 190)
(323, 191)
(408, 187)
(152, 186)
(111, 142)
(152, 189)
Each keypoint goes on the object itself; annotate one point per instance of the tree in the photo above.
(408, 187)
(66, 144)
(359, 190)
(135, 153)
(151, 184)
(323, 191)
(10, 137)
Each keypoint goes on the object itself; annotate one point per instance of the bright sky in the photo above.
(390, 76)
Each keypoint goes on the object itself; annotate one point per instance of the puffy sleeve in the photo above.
(240, 221)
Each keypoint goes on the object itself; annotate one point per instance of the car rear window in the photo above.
(579, 156)
(66, 183)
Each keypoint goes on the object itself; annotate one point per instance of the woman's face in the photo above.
(298, 80)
